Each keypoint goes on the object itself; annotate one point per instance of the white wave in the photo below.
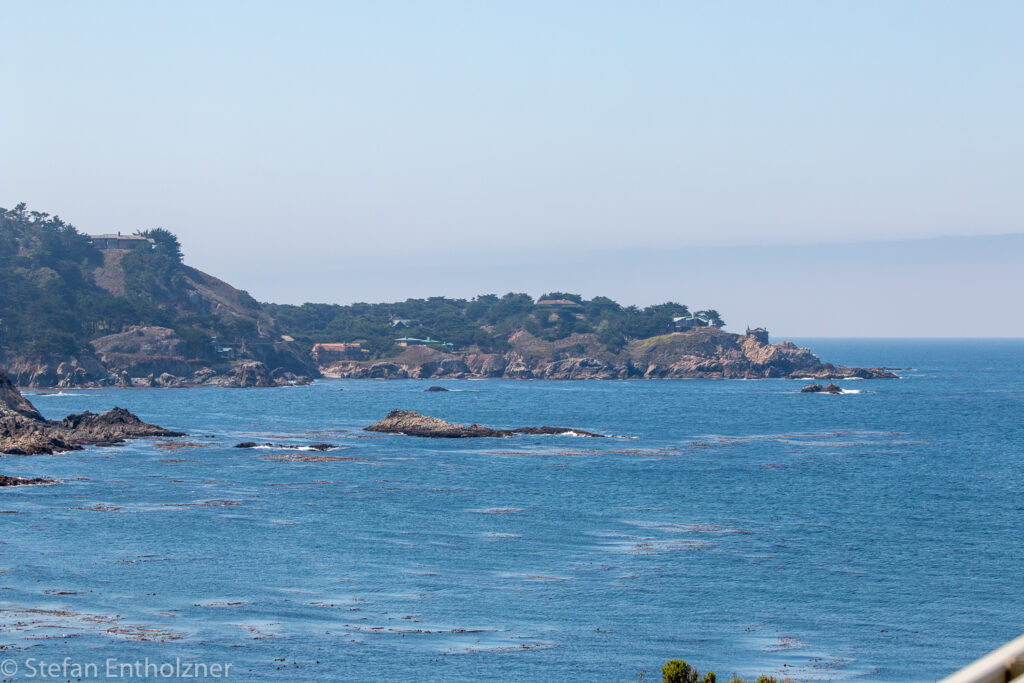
(286, 447)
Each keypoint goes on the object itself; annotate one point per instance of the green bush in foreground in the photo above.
(678, 671)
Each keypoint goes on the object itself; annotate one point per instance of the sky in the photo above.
(724, 155)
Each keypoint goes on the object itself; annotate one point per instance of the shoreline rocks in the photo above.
(702, 353)
(411, 423)
(24, 431)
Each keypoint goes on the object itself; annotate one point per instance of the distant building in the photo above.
(325, 353)
(408, 341)
(413, 341)
(400, 322)
(558, 302)
(683, 323)
(121, 242)
(758, 333)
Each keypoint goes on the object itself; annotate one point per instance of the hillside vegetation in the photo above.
(72, 314)
(60, 294)
(482, 324)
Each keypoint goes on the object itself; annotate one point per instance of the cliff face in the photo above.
(157, 357)
(705, 353)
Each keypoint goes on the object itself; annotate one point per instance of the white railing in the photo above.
(1005, 665)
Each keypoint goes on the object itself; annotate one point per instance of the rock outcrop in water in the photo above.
(818, 389)
(24, 431)
(22, 481)
(701, 353)
(285, 446)
(411, 423)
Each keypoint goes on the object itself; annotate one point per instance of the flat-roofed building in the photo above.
(121, 242)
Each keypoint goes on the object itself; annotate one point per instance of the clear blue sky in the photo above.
(314, 137)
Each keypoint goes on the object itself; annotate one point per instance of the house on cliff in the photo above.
(121, 242)
(413, 341)
(758, 333)
(683, 323)
(326, 353)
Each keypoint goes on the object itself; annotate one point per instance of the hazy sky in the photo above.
(324, 139)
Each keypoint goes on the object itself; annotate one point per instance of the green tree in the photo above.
(164, 242)
(713, 317)
(678, 671)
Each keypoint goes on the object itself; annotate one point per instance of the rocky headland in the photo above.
(705, 353)
(411, 423)
(78, 312)
(24, 431)
(82, 311)
(156, 356)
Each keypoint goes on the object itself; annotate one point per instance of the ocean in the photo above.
(742, 526)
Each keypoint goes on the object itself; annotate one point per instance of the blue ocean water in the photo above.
(740, 525)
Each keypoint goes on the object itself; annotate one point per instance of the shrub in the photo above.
(678, 671)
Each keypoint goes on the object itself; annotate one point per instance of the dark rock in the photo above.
(115, 425)
(411, 423)
(831, 388)
(21, 481)
(435, 388)
(812, 389)
(24, 431)
(285, 446)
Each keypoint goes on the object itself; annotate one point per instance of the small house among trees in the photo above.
(688, 322)
(121, 242)
(325, 353)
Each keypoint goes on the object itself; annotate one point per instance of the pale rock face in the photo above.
(150, 341)
(703, 353)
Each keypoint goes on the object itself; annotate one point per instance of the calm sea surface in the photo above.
(740, 525)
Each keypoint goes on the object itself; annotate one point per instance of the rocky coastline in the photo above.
(24, 431)
(707, 353)
(156, 357)
(153, 357)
